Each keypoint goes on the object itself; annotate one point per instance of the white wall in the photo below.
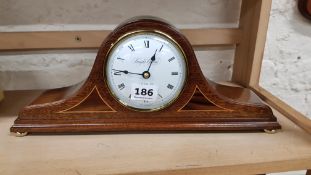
(287, 59)
(51, 69)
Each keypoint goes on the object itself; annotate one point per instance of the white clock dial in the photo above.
(146, 71)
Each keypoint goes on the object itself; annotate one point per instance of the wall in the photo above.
(51, 69)
(286, 70)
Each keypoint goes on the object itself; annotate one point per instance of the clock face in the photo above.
(146, 71)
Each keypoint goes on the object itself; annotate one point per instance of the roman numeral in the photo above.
(174, 73)
(131, 47)
(171, 59)
(170, 86)
(116, 73)
(121, 86)
(130, 95)
(120, 58)
(146, 44)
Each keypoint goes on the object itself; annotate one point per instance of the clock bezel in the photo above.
(138, 32)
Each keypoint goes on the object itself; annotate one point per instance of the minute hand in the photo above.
(152, 59)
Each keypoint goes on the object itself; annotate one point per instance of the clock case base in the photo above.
(84, 122)
(90, 107)
(143, 127)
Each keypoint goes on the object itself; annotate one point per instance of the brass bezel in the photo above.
(126, 35)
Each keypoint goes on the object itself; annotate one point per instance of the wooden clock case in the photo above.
(202, 105)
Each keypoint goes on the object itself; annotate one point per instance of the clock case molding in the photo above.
(202, 105)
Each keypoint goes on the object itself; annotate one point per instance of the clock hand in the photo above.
(152, 60)
(126, 72)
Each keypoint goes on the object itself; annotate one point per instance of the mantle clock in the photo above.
(145, 78)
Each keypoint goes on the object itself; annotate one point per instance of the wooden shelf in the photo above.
(181, 153)
(92, 39)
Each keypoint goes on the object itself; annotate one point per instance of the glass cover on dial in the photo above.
(146, 71)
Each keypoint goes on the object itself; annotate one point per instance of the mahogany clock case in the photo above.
(202, 105)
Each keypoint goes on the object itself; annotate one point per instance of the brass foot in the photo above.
(21, 134)
(270, 131)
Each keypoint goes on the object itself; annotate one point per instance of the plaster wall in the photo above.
(51, 69)
(286, 69)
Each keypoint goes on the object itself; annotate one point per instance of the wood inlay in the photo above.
(93, 102)
(198, 102)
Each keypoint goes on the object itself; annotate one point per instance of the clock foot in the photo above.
(270, 131)
(21, 134)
